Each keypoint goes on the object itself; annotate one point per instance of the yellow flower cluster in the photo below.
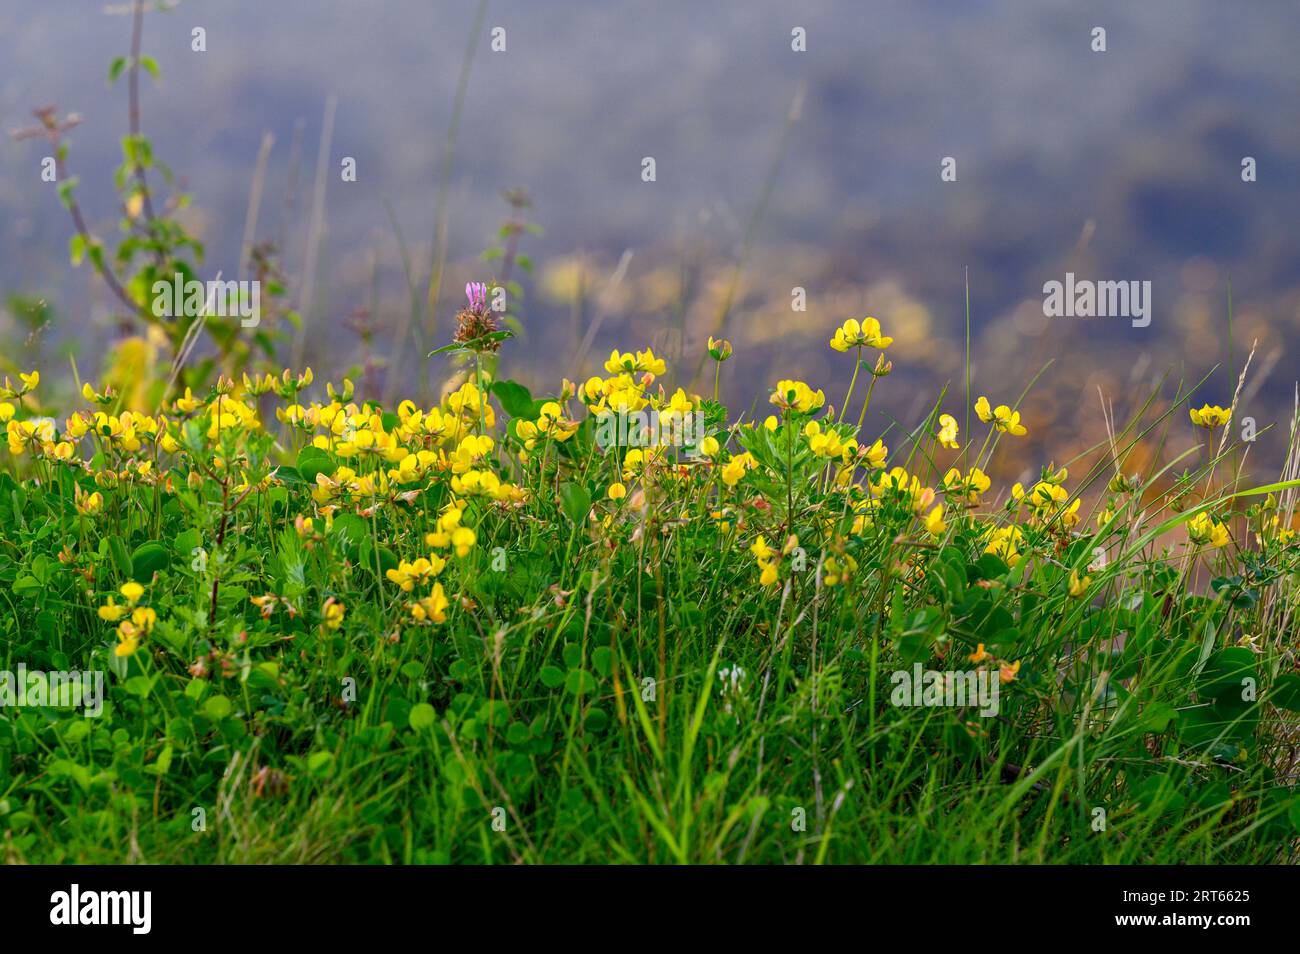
(133, 622)
(855, 334)
(798, 396)
(451, 533)
(1206, 531)
(1001, 417)
(1046, 501)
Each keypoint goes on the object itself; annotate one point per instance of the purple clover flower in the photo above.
(476, 292)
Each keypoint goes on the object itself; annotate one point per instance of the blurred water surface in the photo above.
(1117, 165)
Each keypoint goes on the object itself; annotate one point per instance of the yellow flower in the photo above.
(837, 569)
(128, 641)
(971, 486)
(823, 443)
(760, 548)
(875, 455)
(1205, 530)
(1210, 416)
(1002, 417)
(332, 613)
(797, 396)
(719, 349)
(30, 380)
(142, 620)
(767, 573)
(1069, 517)
(408, 575)
(853, 334)
(979, 655)
(709, 447)
(616, 491)
(111, 612)
(948, 431)
(1002, 543)
(1007, 672)
(552, 423)
(132, 591)
(432, 608)
(184, 405)
(642, 361)
(735, 468)
(89, 504)
(934, 524)
(1078, 585)
(462, 538)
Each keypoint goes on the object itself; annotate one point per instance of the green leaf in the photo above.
(148, 559)
(422, 716)
(1225, 672)
(76, 248)
(217, 708)
(579, 681)
(187, 540)
(151, 67)
(514, 397)
(576, 502)
(66, 188)
(115, 69)
(552, 677)
(27, 586)
(163, 762)
(456, 347)
(1156, 717)
(387, 560)
(313, 461)
(121, 558)
(1286, 692)
(320, 763)
(350, 530)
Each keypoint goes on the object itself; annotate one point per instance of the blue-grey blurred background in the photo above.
(1117, 165)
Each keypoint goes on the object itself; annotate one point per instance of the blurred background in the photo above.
(774, 170)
